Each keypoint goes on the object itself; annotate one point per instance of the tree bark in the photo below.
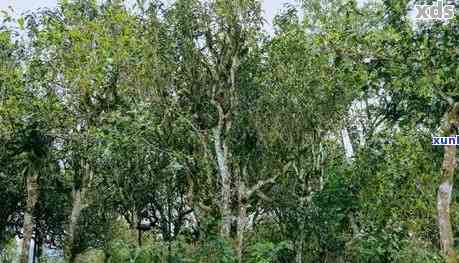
(242, 219)
(444, 202)
(225, 177)
(347, 144)
(445, 190)
(73, 224)
(139, 237)
(299, 252)
(39, 246)
(32, 197)
(241, 227)
(78, 195)
(34, 255)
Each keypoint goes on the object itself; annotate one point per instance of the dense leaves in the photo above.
(182, 132)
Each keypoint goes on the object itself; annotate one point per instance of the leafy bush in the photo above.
(417, 252)
(389, 247)
(215, 250)
(9, 253)
(266, 252)
(212, 250)
(122, 252)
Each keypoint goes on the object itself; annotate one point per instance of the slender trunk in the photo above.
(348, 148)
(242, 220)
(444, 201)
(136, 223)
(32, 197)
(445, 190)
(34, 253)
(225, 177)
(198, 210)
(300, 237)
(299, 252)
(73, 224)
(241, 225)
(139, 235)
(353, 224)
(38, 246)
(78, 195)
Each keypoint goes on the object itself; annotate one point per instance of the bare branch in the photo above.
(262, 183)
(264, 197)
(445, 97)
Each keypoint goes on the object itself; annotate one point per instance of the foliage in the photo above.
(182, 132)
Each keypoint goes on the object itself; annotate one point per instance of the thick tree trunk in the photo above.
(443, 203)
(32, 197)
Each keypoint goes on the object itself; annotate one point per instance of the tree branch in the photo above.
(262, 183)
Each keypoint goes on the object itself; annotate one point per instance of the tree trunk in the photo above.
(225, 202)
(221, 152)
(139, 238)
(242, 219)
(348, 148)
(39, 246)
(78, 195)
(136, 223)
(444, 201)
(73, 224)
(34, 254)
(32, 197)
(445, 190)
(241, 225)
(299, 252)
